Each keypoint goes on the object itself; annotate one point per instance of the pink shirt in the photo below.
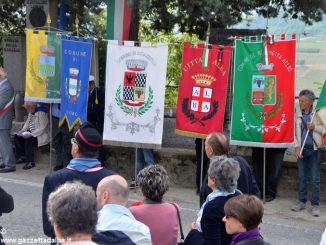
(162, 220)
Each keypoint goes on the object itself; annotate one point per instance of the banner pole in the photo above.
(305, 138)
(136, 150)
(77, 25)
(51, 139)
(264, 176)
(201, 163)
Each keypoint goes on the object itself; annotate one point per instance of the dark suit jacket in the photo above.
(6, 206)
(53, 180)
(6, 202)
(95, 112)
(213, 227)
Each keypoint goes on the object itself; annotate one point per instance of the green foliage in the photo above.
(192, 16)
(174, 58)
(12, 20)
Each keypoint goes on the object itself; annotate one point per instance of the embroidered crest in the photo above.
(201, 99)
(263, 90)
(72, 85)
(133, 101)
(47, 62)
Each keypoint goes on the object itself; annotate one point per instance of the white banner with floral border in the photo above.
(135, 91)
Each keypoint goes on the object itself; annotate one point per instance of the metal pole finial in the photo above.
(48, 21)
(208, 33)
(77, 25)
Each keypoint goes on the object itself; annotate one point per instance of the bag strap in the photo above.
(180, 223)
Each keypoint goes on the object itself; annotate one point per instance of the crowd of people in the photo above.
(85, 203)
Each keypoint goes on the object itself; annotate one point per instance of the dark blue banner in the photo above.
(76, 64)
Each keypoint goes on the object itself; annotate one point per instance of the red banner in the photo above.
(202, 90)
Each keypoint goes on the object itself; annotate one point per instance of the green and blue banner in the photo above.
(76, 63)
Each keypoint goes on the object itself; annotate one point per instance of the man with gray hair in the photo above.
(116, 225)
(7, 97)
(307, 159)
(72, 212)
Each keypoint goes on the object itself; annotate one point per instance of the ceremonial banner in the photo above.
(76, 63)
(263, 92)
(43, 66)
(202, 90)
(321, 110)
(135, 90)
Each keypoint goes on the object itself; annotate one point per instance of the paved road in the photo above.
(280, 226)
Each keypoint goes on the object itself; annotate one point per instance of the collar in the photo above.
(3, 80)
(148, 201)
(115, 208)
(247, 235)
(309, 112)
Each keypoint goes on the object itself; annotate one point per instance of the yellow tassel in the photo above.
(96, 99)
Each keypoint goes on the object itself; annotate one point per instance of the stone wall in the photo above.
(177, 155)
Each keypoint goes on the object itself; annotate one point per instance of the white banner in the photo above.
(135, 91)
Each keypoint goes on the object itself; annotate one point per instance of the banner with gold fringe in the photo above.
(135, 91)
(76, 64)
(202, 90)
(263, 91)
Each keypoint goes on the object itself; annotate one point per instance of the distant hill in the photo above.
(280, 25)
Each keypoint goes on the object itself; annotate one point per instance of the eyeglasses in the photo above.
(73, 141)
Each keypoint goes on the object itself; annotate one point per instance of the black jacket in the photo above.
(55, 179)
(6, 202)
(6, 206)
(246, 182)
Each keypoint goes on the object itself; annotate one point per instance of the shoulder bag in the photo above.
(180, 225)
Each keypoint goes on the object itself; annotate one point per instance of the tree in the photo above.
(12, 17)
(192, 16)
(185, 16)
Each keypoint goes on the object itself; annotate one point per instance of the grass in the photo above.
(313, 74)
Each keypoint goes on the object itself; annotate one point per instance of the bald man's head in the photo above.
(112, 190)
(216, 144)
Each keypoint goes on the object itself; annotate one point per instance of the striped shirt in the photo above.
(31, 123)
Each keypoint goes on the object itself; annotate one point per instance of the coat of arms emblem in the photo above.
(133, 99)
(46, 61)
(72, 85)
(201, 100)
(263, 90)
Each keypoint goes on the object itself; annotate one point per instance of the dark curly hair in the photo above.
(154, 182)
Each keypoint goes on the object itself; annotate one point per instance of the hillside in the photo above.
(280, 25)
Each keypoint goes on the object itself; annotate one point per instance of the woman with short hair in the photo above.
(159, 216)
(223, 174)
(243, 214)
